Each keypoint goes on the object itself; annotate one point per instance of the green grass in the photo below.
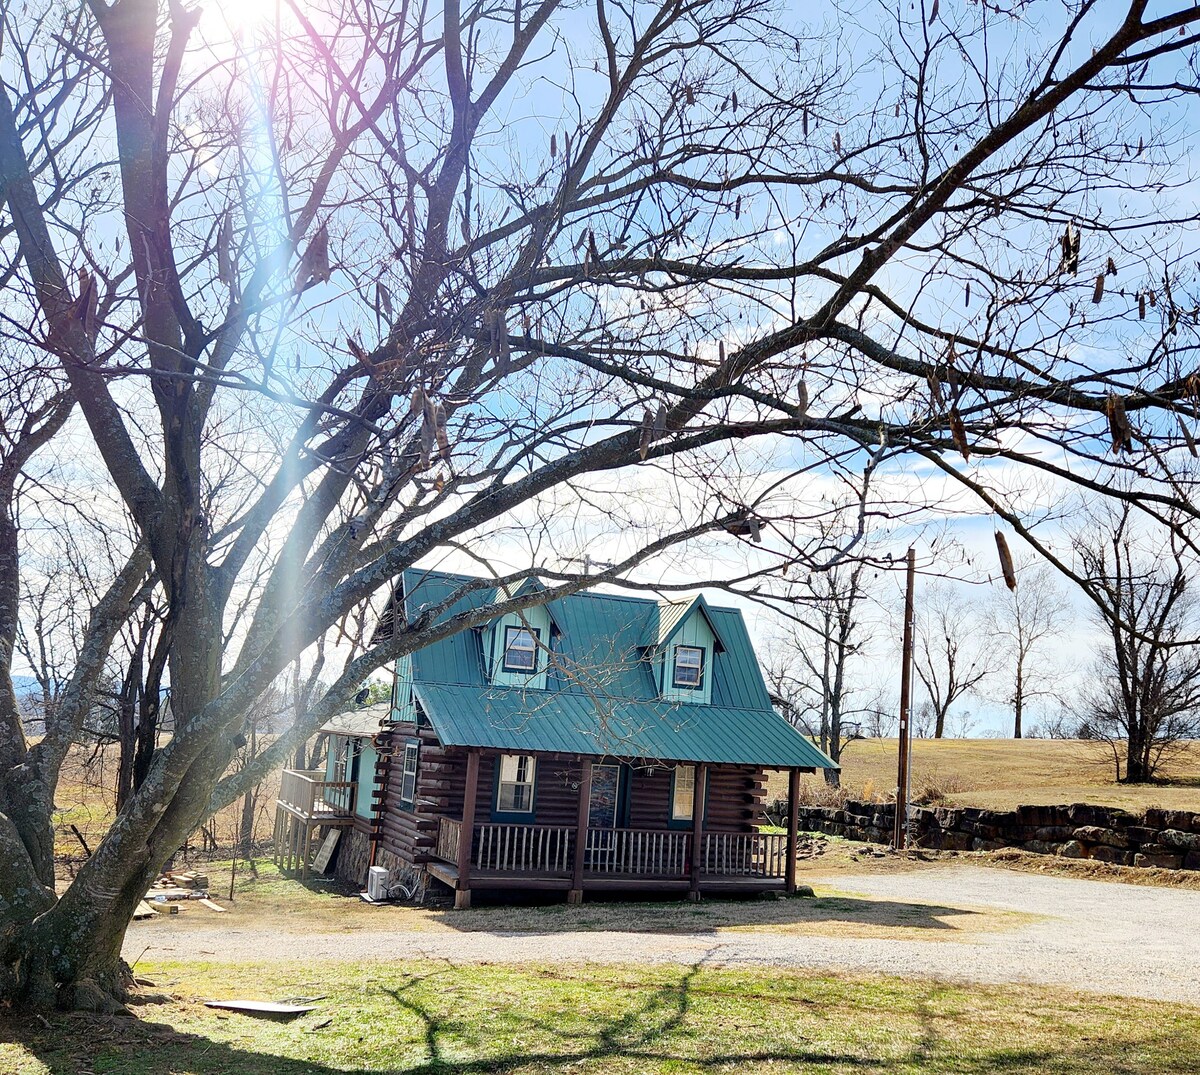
(420, 1018)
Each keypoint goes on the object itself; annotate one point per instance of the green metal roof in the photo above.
(601, 649)
(569, 722)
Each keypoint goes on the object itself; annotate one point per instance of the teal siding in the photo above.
(402, 709)
(367, 785)
(694, 631)
(537, 619)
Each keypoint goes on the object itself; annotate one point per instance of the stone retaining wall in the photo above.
(1164, 838)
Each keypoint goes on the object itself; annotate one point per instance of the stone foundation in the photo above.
(354, 857)
(1168, 839)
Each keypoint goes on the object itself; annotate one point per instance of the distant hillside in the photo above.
(27, 691)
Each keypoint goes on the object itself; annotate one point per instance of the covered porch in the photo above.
(592, 856)
(308, 801)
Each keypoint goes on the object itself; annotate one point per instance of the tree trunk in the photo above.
(1018, 699)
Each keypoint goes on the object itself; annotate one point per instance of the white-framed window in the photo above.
(689, 666)
(408, 772)
(520, 649)
(515, 792)
(683, 793)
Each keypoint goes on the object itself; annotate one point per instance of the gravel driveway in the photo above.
(1091, 935)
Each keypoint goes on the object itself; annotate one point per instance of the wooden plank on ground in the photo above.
(212, 906)
(325, 854)
(144, 910)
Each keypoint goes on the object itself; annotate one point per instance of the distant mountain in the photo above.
(27, 690)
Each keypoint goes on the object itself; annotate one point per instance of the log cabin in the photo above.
(597, 742)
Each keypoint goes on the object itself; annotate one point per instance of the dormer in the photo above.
(516, 646)
(688, 643)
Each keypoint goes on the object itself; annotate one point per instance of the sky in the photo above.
(949, 542)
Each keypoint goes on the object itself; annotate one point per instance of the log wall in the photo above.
(736, 794)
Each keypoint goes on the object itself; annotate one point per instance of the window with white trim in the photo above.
(689, 666)
(683, 794)
(515, 793)
(520, 649)
(408, 772)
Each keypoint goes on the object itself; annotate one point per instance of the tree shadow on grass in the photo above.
(708, 916)
(653, 1031)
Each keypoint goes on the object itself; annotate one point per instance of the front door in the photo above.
(603, 811)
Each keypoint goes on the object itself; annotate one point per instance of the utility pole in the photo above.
(900, 829)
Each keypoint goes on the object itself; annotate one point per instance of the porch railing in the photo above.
(448, 835)
(744, 854)
(663, 853)
(548, 849)
(308, 793)
(524, 848)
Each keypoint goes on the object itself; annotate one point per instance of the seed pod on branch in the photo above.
(85, 306)
(1189, 440)
(383, 301)
(660, 421)
(314, 262)
(1006, 562)
(1141, 306)
(1118, 424)
(647, 435)
(935, 392)
(802, 398)
(427, 442)
(356, 349)
(553, 145)
(958, 431)
(1098, 292)
(1111, 268)
(440, 433)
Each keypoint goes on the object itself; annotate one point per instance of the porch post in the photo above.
(793, 826)
(466, 834)
(699, 795)
(581, 831)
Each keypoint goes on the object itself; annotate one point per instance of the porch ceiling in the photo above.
(570, 722)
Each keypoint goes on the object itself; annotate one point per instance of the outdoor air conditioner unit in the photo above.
(377, 883)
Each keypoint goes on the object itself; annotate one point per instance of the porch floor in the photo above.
(713, 884)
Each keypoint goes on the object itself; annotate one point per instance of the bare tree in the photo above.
(811, 668)
(952, 654)
(1144, 693)
(355, 288)
(1026, 619)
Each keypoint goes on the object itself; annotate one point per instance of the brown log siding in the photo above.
(736, 794)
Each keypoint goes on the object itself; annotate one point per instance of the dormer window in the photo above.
(689, 667)
(520, 649)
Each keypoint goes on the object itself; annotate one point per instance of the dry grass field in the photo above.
(86, 800)
(1002, 774)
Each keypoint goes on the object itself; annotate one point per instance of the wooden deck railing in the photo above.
(745, 854)
(448, 835)
(524, 848)
(309, 794)
(549, 849)
(661, 853)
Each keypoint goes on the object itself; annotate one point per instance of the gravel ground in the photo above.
(1090, 935)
